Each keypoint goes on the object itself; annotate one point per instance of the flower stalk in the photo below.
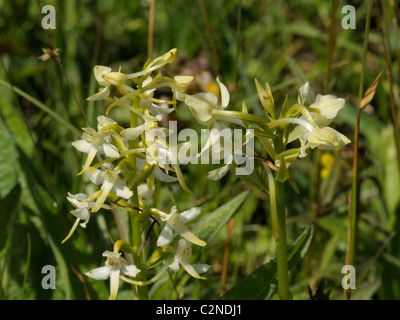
(137, 226)
(278, 217)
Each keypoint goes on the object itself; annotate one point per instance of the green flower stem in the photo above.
(137, 229)
(277, 204)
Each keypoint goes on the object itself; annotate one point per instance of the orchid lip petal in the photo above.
(188, 235)
(114, 284)
(189, 269)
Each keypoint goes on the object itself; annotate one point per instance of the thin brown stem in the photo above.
(150, 35)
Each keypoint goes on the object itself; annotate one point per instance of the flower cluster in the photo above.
(125, 159)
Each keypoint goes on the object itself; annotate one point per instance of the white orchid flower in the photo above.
(114, 266)
(175, 221)
(106, 78)
(182, 256)
(99, 142)
(324, 137)
(82, 205)
(108, 179)
(202, 105)
(314, 131)
(325, 108)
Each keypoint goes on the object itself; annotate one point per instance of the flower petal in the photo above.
(99, 72)
(101, 273)
(82, 146)
(187, 235)
(224, 94)
(110, 151)
(202, 105)
(328, 107)
(304, 92)
(165, 236)
(189, 215)
(103, 121)
(133, 133)
(121, 190)
(91, 155)
(104, 93)
(160, 175)
(105, 188)
(189, 269)
(114, 284)
(96, 176)
(131, 270)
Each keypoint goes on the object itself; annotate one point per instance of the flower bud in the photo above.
(115, 78)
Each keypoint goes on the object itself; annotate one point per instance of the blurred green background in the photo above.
(284, 43)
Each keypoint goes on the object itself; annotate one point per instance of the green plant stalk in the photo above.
(277, 204)
(281, 244)
(136, 230)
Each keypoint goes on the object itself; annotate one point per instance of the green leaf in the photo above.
(53, 229)
(260, 284)
(8, 167)
(209, 227)
(9, 204)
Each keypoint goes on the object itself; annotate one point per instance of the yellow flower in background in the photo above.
(327, 160)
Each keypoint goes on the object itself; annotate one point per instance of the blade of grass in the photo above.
(43, 107)
(28, 260)
(211, 38)
(373, 260)
(388, 59)
(355, 195)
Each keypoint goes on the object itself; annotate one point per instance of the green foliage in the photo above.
(282, 43)
(261, 283)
